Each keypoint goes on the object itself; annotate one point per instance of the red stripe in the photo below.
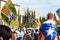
(45, 38)
(40, 35)
(58, 38)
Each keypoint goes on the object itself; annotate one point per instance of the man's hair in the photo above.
(36, 30)
(5, 32)
(50, 15)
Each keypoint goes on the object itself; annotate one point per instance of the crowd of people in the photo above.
(7, 33)
(48, 29)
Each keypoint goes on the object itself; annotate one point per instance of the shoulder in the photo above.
(49, 21)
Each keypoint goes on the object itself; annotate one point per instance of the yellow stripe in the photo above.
(43, 37)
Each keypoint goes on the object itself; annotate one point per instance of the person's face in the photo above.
(1, 38)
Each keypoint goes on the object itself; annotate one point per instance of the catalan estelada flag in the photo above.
(48, 31)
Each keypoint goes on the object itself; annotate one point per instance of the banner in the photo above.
(14, 23)
(11, 7)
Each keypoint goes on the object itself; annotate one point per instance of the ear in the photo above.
(1, 38)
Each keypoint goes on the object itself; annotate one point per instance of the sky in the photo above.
(41, 6)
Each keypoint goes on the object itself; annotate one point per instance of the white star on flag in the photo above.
(49, 31)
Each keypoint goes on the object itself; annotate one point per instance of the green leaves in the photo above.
(28, 25)
(19, 18)
(43, 19)
(33, 14)
(27, 18)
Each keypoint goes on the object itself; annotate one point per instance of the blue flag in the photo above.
(48, 29)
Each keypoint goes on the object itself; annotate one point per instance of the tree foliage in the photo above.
(43, 19)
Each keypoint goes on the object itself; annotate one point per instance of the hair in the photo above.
(36, 30)
(50, 15)
(5, 32)
(32, 30)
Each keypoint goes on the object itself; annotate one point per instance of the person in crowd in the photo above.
(1, 38)
(27, 36)
(48, 28)
(14, 34)
(21, 34)
(5, 32)
(36, 31)
(32, 34)
(36, 34)
(24, 30)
